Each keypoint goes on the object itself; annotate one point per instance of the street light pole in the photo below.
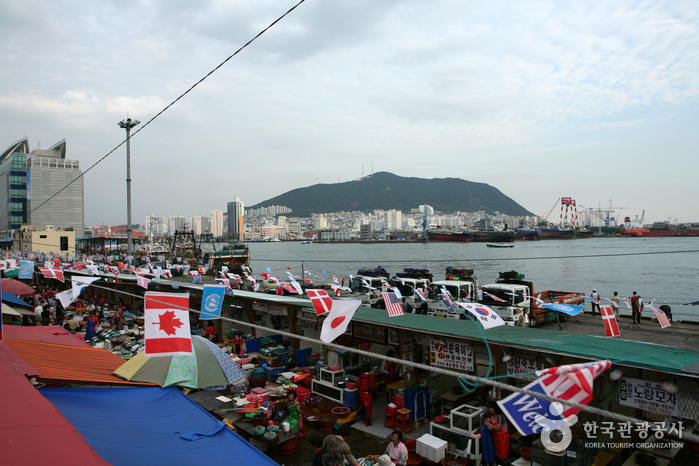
(127, 125)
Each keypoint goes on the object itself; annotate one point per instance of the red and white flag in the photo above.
(661, 316)
(142, 281)
(166, 325)
(335, 279)
(495, 298)
(121, 265)
(114, 270)
(202, 270)
(610, 324)
(421, 294)
(393, 304)
(573, 382)
(53, 272)
(567, 383)
(338, 319)
(321, 301)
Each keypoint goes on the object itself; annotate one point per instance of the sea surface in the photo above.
(664, 269)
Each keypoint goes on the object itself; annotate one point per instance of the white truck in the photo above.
(375, 278)
(461, 284)
(510, 297)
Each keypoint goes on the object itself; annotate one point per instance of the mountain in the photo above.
(385, 190)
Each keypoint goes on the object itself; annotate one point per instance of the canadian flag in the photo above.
(338, 318)
(321, 301)
(52, 272)
(166, 325)
(610, 324)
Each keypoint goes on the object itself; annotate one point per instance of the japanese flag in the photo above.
(338, 319)
(321, 301)
(166, 325)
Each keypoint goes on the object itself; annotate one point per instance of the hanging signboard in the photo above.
(519, 368)
(277, 309)
(451, 355)
(648, 396)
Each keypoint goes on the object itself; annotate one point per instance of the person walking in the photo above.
(595, 304)
(616, 303)
(667, 310)
(636, 308)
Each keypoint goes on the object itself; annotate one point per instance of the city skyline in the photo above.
(540, 100)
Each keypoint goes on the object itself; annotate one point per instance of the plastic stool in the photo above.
(403, 420)
(390, 420)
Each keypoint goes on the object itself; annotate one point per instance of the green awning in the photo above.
(632, 353)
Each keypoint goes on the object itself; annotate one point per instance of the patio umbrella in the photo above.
(10, 298)
(209, 367)
(17, 288)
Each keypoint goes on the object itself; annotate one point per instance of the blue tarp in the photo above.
(151, 425)
(10, 298)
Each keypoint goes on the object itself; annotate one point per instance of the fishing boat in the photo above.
(232, 256)
(486, 236)
(500, 245)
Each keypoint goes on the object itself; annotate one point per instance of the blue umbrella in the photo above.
(10, 298)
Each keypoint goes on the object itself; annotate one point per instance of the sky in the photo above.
(541, 99)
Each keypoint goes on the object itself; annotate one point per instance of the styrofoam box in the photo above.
(431, 448)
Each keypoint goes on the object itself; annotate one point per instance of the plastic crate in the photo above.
(302, 393)
(431, 448)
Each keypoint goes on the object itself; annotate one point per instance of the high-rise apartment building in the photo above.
(217, 223)
(41, 188)
(175, 223)
(236, 220)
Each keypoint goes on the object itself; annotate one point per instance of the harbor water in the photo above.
(664, 269)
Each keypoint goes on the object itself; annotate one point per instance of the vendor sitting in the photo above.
(397, 449)
(390, 369)
(293, 410)
(210, 332)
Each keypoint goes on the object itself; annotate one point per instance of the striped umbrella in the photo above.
(208, 367)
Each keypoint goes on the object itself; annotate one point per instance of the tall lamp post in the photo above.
(127, 125)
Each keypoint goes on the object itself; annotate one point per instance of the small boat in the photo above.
(306, 242)
(500, 245)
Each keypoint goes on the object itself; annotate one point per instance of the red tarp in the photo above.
(50, 334)
(32, 430)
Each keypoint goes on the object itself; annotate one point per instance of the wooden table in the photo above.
(454, 399)
(246, 425)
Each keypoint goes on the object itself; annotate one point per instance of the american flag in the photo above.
(572, 383)
(661, 316)
(321, 301)
(142, 281)
(393, 305)
(611, 326)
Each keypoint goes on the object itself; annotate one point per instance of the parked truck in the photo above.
(461, 283)
(511, 298)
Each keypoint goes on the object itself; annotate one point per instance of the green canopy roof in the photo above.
(626, 352)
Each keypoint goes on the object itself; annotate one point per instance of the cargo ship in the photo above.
(660, 230)
(449, 236)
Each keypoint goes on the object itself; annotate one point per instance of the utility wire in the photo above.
(470, 378)
(170, 104)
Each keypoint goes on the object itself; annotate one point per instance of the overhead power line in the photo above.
(170, 104)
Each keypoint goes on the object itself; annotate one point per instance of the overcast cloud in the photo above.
(539, 99)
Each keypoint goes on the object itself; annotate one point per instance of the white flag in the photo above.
(67, 297)
(338, 318)
(483, 314)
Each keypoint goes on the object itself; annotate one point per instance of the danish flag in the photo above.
(52, 272)
(610, 324)
(321, 301)
(661, 316)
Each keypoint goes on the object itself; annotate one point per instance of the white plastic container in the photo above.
(286, 426)
(431, 448)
